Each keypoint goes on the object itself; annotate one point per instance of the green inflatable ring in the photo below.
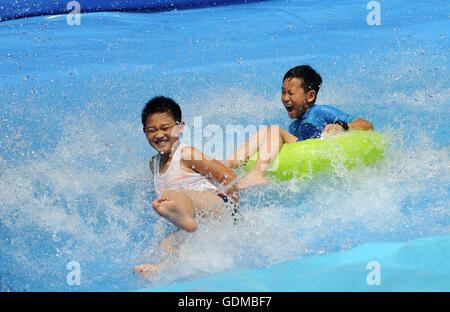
(303, 159)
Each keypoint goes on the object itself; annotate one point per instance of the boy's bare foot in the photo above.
(167, 208)
(253, 178)
(146, 270)
(232, 164)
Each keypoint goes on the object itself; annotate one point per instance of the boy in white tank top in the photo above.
(183, 176)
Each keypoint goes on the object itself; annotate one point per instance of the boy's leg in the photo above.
(269, 144)
(179, 207)
(256, 142)
(247, 149)
(150, 271)
(168, 244)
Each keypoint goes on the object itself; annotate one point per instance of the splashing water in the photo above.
(74, 177)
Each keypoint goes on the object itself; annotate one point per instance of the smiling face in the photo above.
(162, 131)
(295, 99)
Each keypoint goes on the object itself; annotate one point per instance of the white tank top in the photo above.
(176, 178)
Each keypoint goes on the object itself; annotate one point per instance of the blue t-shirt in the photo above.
(312, 123)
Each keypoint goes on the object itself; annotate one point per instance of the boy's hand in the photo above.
(333, 129)
(357, 124)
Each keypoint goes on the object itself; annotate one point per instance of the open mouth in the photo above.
(160, 143)
(289, 108)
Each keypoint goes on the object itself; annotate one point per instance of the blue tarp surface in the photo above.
(11, 9)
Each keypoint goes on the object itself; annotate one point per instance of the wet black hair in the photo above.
(311, 80)
(161, 104)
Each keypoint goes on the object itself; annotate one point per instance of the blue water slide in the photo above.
(12, 9)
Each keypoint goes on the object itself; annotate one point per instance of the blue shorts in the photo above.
(235, 210)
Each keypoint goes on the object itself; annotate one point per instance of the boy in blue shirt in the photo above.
(299, 91)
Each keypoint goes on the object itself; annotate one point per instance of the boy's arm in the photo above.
(151, 164)
(357, 124)
(211, 168)
(332, 115)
